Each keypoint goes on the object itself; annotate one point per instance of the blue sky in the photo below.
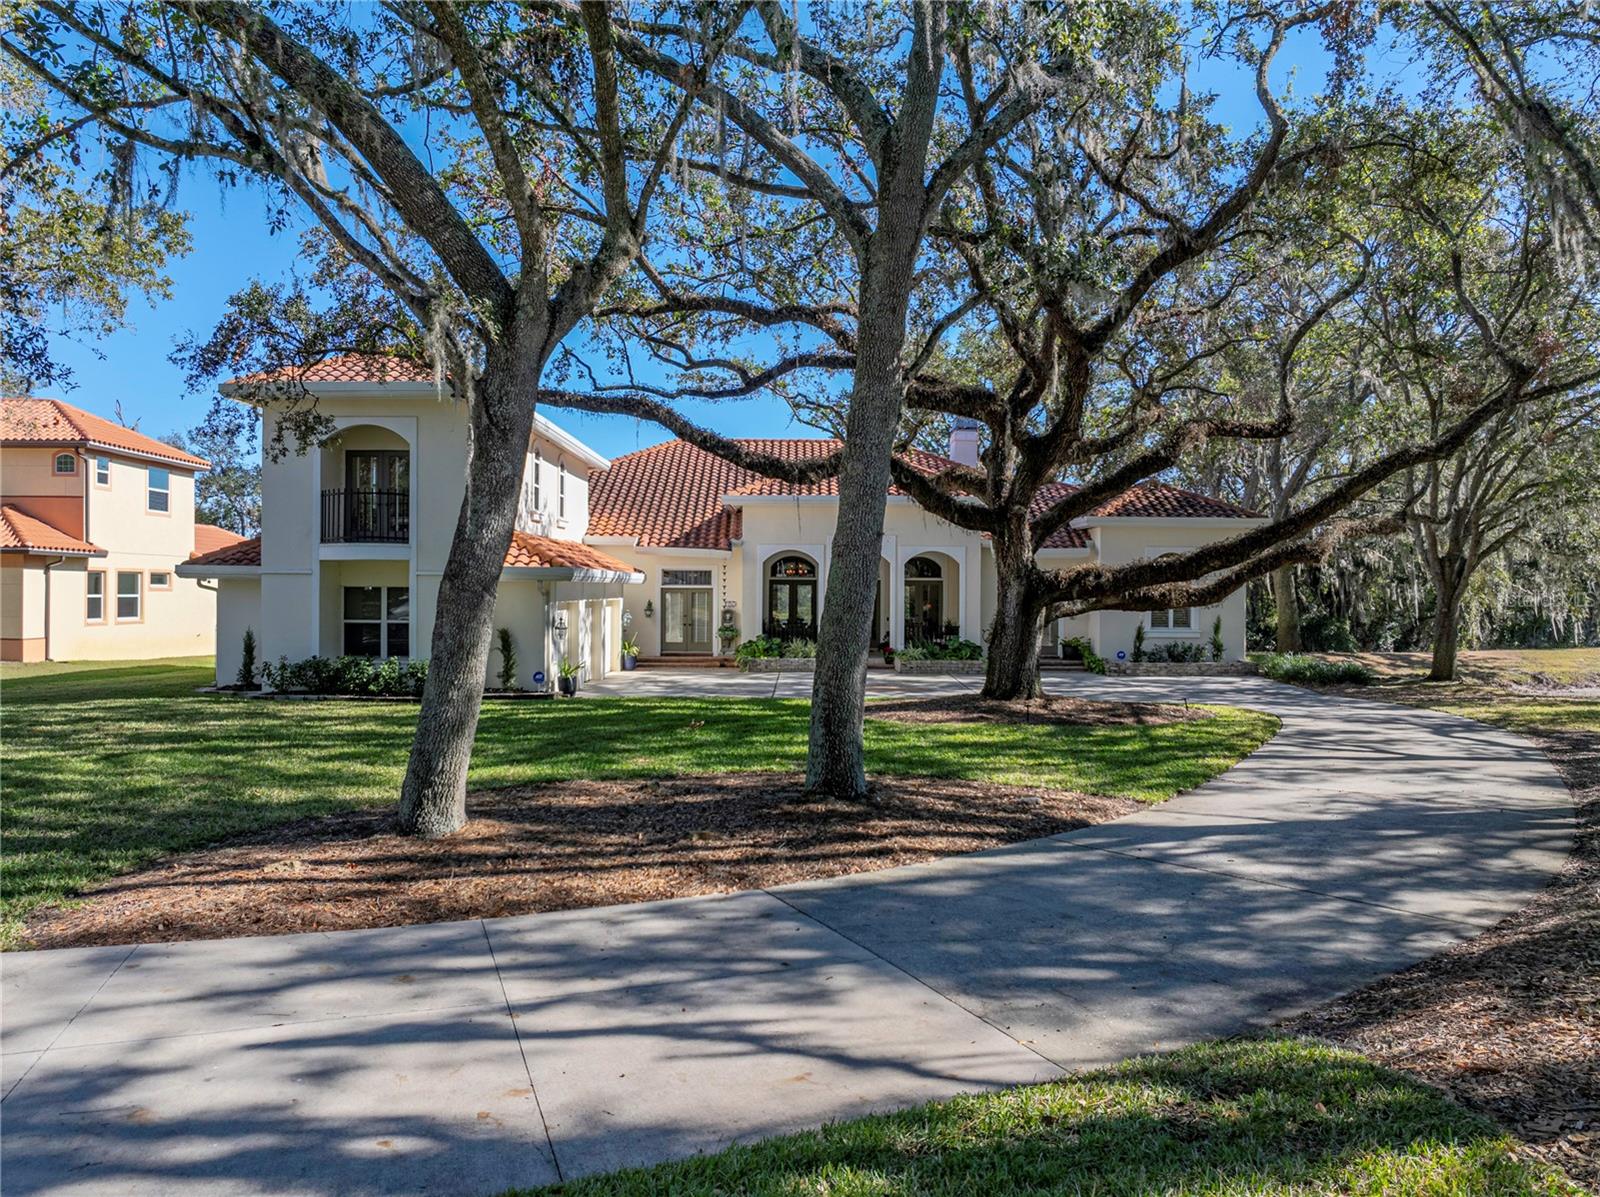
(233, 243)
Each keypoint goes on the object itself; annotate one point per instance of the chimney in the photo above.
(965, 441)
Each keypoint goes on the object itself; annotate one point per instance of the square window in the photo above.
(1181, 618)
(398, 605)
(66, 463)
(1158, 619)
(160, 579)
(363, 640)
(399, 640)
(95, 606)
(130, 593)
(158, 490)
(102, 471)
(363, 602)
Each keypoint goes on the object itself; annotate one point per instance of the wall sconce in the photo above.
(561, 622)
(649, 609)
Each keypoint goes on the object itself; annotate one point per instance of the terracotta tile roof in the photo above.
(670, 495)
(525, 552)
(52, 422)
(541, 552)
(21, 533)
(208, 538)
(347, 367)
(238, 551)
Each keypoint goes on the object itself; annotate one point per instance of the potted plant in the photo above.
(567, 677)
(630, 654)
(727, 636)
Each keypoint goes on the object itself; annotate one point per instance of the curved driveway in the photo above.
(469, 1057)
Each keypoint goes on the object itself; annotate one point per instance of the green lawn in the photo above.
(1254, 1117)
(108, 766)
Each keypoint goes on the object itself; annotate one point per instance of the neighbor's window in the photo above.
(538, 481)
(130, 594)
(66, 463)
(377, 621)
(94, 609)
(686, 577)
(158, 490)
(102, 471)
(1178, 620)
(160, 579)
(561, 489)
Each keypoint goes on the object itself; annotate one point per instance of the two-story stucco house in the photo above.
(670, 542)
(95, 520)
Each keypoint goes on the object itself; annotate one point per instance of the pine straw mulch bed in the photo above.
(1507, 1023)
(554, 846)
(1052, 708)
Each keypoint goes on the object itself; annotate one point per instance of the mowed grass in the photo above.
(109, 766)
(1256, 1117)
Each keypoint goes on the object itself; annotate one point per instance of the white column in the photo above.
(897, 599)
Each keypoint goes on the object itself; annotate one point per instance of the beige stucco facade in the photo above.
(46, 610)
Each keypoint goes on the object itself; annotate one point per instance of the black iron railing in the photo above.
(790, 629)
(366, 516)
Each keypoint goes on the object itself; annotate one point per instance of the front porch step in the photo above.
(686, 661)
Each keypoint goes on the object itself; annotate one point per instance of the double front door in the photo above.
(686, 620)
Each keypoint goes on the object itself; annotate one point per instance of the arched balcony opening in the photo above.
(791, 597)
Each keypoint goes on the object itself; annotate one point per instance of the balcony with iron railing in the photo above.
(366, 517)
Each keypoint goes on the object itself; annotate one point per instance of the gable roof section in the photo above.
(20, 533)
(372, 368)
(209, 538)
(51, 423)
(237, 552)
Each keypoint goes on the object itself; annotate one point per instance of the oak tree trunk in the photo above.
(1013, 668)
(1287, 599)
(433, 799)
(1448, 587)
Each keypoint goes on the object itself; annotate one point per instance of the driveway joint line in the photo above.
(106, 980)
(516, 1031)
(900, 968)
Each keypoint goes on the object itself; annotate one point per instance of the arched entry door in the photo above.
(924, 600)
(791, 599)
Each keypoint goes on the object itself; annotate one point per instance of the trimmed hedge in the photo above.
(347, 675)
(1315, 671)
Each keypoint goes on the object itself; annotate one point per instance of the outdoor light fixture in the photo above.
(561, 622)
(649, 609)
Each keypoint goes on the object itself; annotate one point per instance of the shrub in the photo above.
(246, 678)
(1093, 661)
(1217, 646)
(347, 675)
(914, 652)
(1315, 671)
(953, 649)
(1138, 643)
(759, 648)
(508, 660)
(800, 648)
(1178, 651)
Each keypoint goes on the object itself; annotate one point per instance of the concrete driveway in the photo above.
(465, 1058)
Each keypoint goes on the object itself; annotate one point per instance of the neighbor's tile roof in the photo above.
(670, 495)
(237, 552)
(347, 367)
(542, 552)
(208, 538)
(51, 422)
(525, 552)
(21, 533)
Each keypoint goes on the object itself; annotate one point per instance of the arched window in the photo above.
(923, 567)
(66, 463)
(793, 567)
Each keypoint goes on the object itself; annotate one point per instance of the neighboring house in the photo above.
(355, 534)
(95, 520)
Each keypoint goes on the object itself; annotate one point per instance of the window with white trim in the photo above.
(66, 463)
(160, 579)
(102, 471)
(1179, 620)
(94, 607)
(130, 595)
(158, 490)
(377, 621)
(538, 481)
(561, 489)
